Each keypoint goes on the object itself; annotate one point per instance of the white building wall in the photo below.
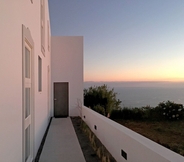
(67, 66)
(12, 15)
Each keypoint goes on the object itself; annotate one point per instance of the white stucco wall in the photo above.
(12, 15)
(67, 66)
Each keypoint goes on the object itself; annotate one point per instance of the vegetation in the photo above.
(166, 133)
(164, 111)
(163, 124)
(101, 99)
(171, 110)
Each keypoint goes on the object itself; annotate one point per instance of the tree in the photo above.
(101, 99)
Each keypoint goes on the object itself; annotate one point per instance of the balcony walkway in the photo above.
(61, 143)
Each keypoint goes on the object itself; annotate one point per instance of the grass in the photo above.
(169, 134)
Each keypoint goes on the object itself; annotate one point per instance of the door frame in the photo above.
(48, 93)
(27, 42)
(67, 99)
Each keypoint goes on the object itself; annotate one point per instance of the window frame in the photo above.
(39, 74)
(42, 25)
(27, 82)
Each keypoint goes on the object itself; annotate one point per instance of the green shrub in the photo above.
(116, 114)
(127, 114)
(103, 96)
(164, 111)
(99, 109)
(151, 113)
(170, 110)
(138, 114)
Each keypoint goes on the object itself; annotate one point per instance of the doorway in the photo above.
(61, 99)
(28, 95)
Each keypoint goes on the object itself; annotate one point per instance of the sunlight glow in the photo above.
(170, 70)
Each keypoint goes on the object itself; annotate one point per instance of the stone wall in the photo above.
(98, 147)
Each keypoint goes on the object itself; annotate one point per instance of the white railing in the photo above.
(124, 144)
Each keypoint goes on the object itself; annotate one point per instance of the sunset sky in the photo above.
(125, 40)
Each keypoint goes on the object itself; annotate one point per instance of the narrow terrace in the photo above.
(61, 143)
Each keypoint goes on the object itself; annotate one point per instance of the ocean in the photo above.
(139, 94)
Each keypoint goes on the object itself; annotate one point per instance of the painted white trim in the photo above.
(27, 42)
(48, 34)
(42, 25)
(48, 92)
(40, 72)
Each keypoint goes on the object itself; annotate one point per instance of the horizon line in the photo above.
(140, 81)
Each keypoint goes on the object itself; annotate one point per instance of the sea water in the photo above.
(139, 94)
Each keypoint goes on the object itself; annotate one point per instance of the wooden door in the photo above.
(61, 99)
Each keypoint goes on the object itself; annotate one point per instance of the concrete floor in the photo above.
(61, 143)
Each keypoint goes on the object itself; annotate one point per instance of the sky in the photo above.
(125, 40)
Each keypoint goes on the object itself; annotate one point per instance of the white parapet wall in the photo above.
(124, 144)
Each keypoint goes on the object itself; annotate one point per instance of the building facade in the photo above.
(67, 70)
(26, 87)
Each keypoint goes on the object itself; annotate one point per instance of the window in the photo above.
(39, 74)
(48, 35)
(27, 143)
(27, 63)
(27, 102)
(42, 8)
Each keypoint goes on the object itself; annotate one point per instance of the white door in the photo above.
(27, 100)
